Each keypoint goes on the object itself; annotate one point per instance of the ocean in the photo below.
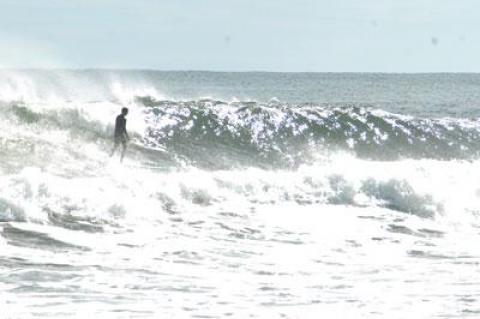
(241, 195)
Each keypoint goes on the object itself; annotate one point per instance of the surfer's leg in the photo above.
(124, 148)
(116, 142)
(113, 149)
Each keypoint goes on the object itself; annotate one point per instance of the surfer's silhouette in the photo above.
(121, 136)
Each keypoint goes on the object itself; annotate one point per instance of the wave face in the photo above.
(282, 134)
(218, 135)
(241, 195)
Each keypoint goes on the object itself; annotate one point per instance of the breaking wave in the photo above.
(217, 134)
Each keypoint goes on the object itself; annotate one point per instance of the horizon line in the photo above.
(226, 71)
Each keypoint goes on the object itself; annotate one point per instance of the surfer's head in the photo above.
(124, 111)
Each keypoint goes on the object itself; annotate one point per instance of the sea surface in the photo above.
(242, 195)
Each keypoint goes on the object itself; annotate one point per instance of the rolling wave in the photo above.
(282, 133)
(217, 134)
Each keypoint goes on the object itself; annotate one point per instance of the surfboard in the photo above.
(148, 167)
(150, 148)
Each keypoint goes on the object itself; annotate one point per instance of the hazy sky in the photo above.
(242, 35)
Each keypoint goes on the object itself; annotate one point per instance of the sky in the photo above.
(243, 35)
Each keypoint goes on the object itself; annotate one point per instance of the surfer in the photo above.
(120, 135)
